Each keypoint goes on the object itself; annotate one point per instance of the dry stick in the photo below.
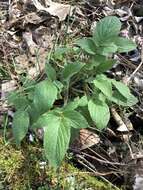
(135, 71)
(130, 150)
(9, 2)
(89, 168)
(97, 154)
(103, 161)
(138, 67)
(126, 62)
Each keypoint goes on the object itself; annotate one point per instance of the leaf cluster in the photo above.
(76, 92)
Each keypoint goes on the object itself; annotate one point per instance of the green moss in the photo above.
(80, 180)
(18, 168)
(10, 159)
(21, 170)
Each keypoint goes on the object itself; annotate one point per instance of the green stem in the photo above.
(66, 95)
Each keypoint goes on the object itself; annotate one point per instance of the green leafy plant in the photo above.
(76, 93)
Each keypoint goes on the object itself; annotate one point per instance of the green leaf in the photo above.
(105, 66)
(85, 112)
(107, 48)
(119, 99)
(56, 139)
(57, 125)
(87, 45)
(121, 87)
(122, 95)
(131, 100)
(30, 95)
(103, 83)
(20, 125)
(21, 103)
(83, 101)
(18, 100)
(97, 60)
(102, 97)
(99, 112)
(27, 82)
(59, 85)
(41, 122)
(44, 96)
(75, 119)
(72, 105)
(124, 44)
(50, 71)
(77, 102)
(71, 69)
(33, 113)
(106, 29)
(60, 52)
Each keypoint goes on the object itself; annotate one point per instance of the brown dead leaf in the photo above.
(7, 87)
(21, 63)
(85, 140)
(39, 63)
(33, 18)
(33, 65)
(43, 37)
(54, 9)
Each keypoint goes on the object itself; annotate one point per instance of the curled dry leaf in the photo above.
(121, 125)
(128, 123)
(124, 12)
(138, 19)
(124, 126)
(54, 9)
